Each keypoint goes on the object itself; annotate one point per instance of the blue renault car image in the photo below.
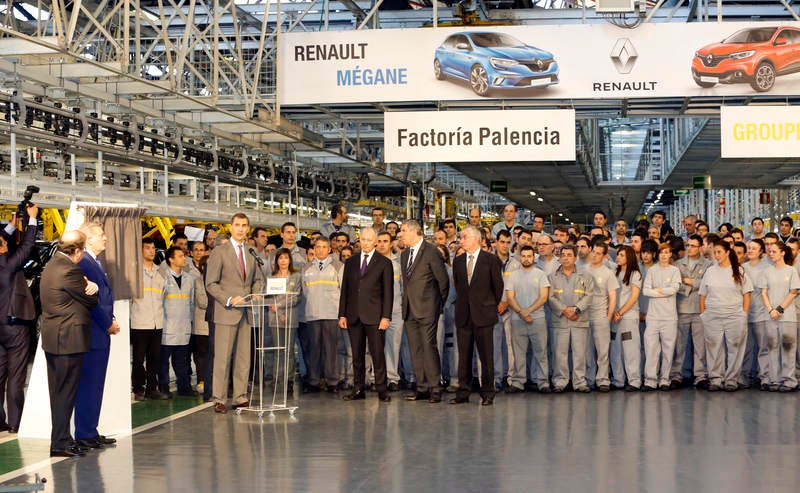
(492, 61)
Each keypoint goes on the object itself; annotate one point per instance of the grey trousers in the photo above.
(726, 337)
(782, 345)
(226, 338)
(534, 334)
(597, 350)
(394, 337)
(575, 338)
(759, 331)
(659, 337)
(690, 325)
(625, 353)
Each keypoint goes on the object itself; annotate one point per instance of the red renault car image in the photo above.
(754, 55)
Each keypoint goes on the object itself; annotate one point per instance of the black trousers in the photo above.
(199, 345)
(14, 343)
(146, 351)
(482, 337)
(425, 358)
(63, 374)
(319, 340)
(360, 335)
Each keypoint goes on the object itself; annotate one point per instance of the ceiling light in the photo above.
(533, 194)
(540, 199)
(560, 215)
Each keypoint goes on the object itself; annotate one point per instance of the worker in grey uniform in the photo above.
(692, 267)
(548, 263)
(570, 297)
(394, 334)
(601, 311)
(661, 286)
(527, 291)
(503, 352)
(724, 303)
(757, 319)
(322, 281)
(625, 337)
(780, 285)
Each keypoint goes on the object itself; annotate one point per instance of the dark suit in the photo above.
(425, 287)
(475, 314)
(66, 336)
(15, 299)
(95, 362)
(364, 301)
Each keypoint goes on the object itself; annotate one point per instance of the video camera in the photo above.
(22, 208)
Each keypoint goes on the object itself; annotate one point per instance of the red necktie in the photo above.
(241, 262)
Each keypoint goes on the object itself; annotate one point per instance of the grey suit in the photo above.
(224, 281)
(425, 288)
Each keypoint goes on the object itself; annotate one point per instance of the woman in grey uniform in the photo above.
(724, 305)
(779, 290)
(758, 316)
(625, 340)
(661, 287)
(283, 317)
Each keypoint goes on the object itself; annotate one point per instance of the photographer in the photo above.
(16, 310)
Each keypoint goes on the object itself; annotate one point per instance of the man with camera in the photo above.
(16, 310)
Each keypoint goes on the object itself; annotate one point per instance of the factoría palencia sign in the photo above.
(465, 136)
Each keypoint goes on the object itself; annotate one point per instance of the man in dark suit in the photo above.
(89, 400)
(14, 300)
(478, 280)
(67, 297)
(425, 287)
(365, 311)
(231, 275)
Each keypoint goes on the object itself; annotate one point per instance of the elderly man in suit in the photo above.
(67, 298)
(231, 275)
(89, 400)
(425, 287)
(16, 309)
(478, 279)
(365, 311)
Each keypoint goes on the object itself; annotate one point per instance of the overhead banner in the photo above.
(760, 131)
(540, 62)
(479, 136)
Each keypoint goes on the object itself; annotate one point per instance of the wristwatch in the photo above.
(779, 309)
(577, 311)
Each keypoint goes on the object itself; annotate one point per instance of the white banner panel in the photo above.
(479, 136)
(541, 62)
(760, 131)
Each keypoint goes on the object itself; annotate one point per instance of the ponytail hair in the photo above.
(737, 270)
(786, 250)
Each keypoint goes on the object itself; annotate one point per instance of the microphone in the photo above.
(255, 255)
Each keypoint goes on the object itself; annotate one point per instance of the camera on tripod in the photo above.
(22, 208)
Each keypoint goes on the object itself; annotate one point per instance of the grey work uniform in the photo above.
(689, 322)
(574, 290)
(782, 333)
(626, 341)
(724, 318)
(605, 282)
(526, 285)
(662, 322)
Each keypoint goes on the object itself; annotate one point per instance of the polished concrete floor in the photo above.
(680, 441)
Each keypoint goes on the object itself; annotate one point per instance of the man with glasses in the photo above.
(692, 268)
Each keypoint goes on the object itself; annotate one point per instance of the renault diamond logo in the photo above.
(709, 59)
(624, 55)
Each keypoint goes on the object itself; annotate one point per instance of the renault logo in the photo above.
(709, 59)
(624, 55)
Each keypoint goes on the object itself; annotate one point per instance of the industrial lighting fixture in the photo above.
(533, 194)
(540, 199)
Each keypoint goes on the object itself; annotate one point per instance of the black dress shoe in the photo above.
(355, 396)
(67, 452)
(418, 396)
(4, 427)
(89, 443)
(13, 430)
(487, 401)
(384, 397)
(392, 387)
(105, 440)
(187, 393)
(435, 398)
(73, 444)
(459, 400)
